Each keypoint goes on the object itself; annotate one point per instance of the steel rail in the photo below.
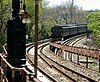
(42, 55)
(62, 66)
(90, 79)
(41, 70)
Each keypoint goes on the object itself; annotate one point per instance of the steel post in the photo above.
(78, 59)
(86, 62)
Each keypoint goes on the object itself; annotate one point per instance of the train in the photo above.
(60, 32)
(66, 31)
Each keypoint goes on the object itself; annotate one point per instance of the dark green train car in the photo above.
(68, 30)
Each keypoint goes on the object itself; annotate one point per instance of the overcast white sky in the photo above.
(85, 4)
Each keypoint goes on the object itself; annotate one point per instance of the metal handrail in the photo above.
(79, 50)
(14, 69)
(22, 70)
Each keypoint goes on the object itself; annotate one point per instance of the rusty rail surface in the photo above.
(79, 50)
(41, 70)
(23, 71)
(61, 68)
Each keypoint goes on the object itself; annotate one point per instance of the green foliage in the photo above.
(31, 11)
(5, 14)
(50, 16)
(94, 25)
(44, 32)
(2, 41)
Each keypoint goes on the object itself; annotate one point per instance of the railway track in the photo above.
(57, 66)
(31, 62)
(40, 69)
(44, 66)
(67, 72)
(72, 76)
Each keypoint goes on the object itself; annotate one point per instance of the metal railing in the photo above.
(25, 73)
(4, 65)
(79, 50)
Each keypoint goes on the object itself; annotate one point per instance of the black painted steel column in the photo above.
(15, 7)
(16, 42)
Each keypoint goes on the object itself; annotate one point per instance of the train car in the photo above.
(60, 31)
(65, 31)
(56, 32)
(81, 28)
(72, 30)
(68, 30)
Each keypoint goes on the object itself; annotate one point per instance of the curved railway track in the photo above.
(31, 62)
(40, 69)
(65, 70)
(72, 76)
(58, 66)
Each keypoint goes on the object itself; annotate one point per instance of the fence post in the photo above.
(78, 59)
(1, 75)
(86, 62)
(13, 71)
(23, 77)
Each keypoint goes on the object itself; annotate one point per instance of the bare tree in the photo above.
(66, 13)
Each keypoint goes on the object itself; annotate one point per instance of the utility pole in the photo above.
(36, 36)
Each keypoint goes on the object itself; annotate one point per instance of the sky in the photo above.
(85, 4)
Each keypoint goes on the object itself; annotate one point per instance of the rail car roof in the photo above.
(69, 26)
